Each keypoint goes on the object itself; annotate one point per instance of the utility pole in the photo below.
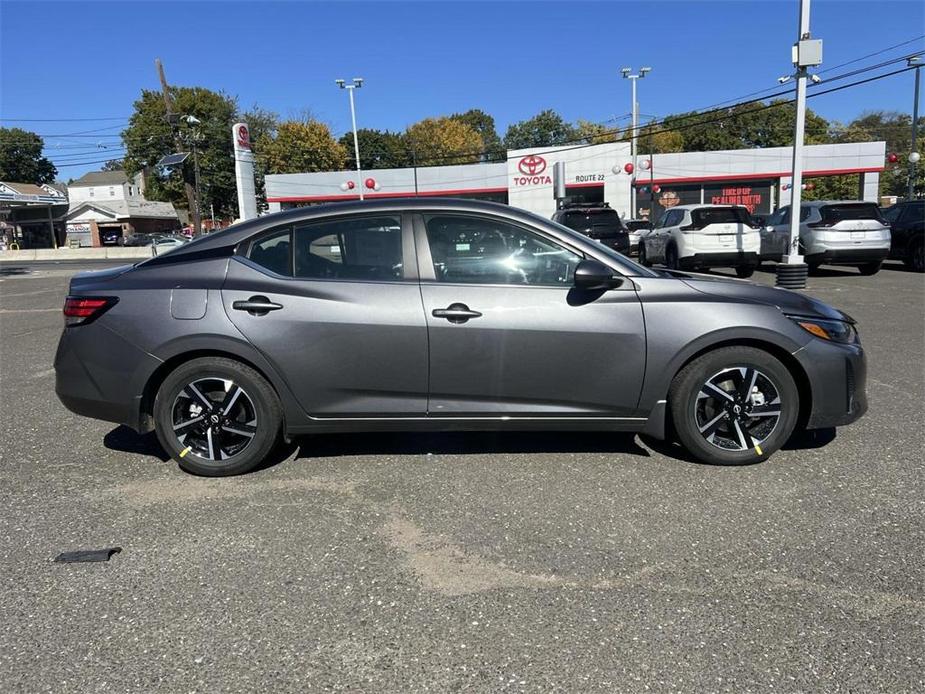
(172, 118)
(357, 83)
(914, 156)
(791, 273)
(626, 72)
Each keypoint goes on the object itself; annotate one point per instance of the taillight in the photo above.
(79, 310)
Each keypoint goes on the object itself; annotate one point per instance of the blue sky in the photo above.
(92, 59)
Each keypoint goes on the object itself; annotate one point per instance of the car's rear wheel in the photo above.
(217, 417)
(870, 268)
(915, 258)
(745, 271)
(643, 257)
(734, 406)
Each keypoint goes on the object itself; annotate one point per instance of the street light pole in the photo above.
(791, 273)
(357, 83)
(627, 74)
(915, 61)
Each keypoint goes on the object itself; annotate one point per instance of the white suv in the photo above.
(698, 237)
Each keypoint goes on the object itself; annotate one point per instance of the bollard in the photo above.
(792, 276)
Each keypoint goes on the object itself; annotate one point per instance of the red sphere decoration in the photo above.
(370, 182)
(628, 168)
(656, 189)
(351, 185)
(892, 157)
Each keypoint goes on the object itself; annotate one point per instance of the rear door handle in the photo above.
(455, 313)
(256, 306)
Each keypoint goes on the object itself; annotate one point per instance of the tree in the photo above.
(597, 133)
(444, 140)
(21, 159)
(545, 129)
(149, 136)
(484, 125)
(300, 145)
(114, 165)
(654, 139)
(379, 149)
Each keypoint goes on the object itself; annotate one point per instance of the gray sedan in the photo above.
(437, 314)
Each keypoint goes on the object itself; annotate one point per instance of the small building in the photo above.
(107, 207)
(32, 216)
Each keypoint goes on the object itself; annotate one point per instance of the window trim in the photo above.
(426, 262)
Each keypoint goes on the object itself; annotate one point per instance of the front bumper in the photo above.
(838, 380)
(719, 259)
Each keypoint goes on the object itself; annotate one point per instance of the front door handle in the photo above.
(455, 313)
(256, 306)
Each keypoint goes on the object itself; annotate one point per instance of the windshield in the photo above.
(627, 266)
(720, 215)
(836, 213)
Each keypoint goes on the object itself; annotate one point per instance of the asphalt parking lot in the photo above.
(522, 562)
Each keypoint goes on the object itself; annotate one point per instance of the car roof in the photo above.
(702, 206)
(824, 203)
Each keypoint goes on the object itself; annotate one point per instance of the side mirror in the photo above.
(594, 275)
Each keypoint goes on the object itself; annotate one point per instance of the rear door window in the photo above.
(837, 213)
(272, 252)
(720, 215)
(352, 248)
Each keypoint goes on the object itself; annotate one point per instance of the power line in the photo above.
(58, 120)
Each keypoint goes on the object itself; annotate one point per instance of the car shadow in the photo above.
(10, 271)
(806, 439)
(462, 443)
(127, 440)
(896, 266)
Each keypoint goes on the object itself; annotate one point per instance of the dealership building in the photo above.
(756, 178)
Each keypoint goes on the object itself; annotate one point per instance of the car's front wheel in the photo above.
(734, 406)
(217, 417)
(643, 256)
(915, 258)
(671, 258)
(745, 271)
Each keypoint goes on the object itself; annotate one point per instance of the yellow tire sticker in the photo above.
(757, 449)
(185, 451)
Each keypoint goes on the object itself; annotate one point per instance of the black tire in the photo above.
(745, 271)
(868, 269)
(643, 258)
(688, 408)
(671, 257)
(234, 449)
(915, 258)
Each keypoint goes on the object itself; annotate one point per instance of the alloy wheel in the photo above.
(737, 409)
(213, 418)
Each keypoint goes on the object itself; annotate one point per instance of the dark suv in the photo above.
(907, 228)
(597, 221)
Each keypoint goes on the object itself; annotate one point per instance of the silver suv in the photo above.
(832, 233)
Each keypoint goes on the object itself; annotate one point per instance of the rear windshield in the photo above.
(836, 213)
(600, 220)
(637, 225)
(719, 215)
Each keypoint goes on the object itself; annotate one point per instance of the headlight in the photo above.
(832, 330)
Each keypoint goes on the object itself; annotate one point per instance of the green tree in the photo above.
(444, 140)
(597, 133)
(656, 140)
(545, 129)
(149, 136)
(21, 159)
(379, 149)
(300, 145)
(114, 165)
(484, 125)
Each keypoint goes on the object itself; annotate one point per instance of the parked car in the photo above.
(425, 314)
(168, 243)
(636, 227)
(141, 239)
(598, 221)
(110, 236)
(699, 237)
(832, 233)
(907, 231)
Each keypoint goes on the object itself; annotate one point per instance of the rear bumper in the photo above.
(95, 369)
(620, 244)
(718, 259)
(838, 380)
(847, 256)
